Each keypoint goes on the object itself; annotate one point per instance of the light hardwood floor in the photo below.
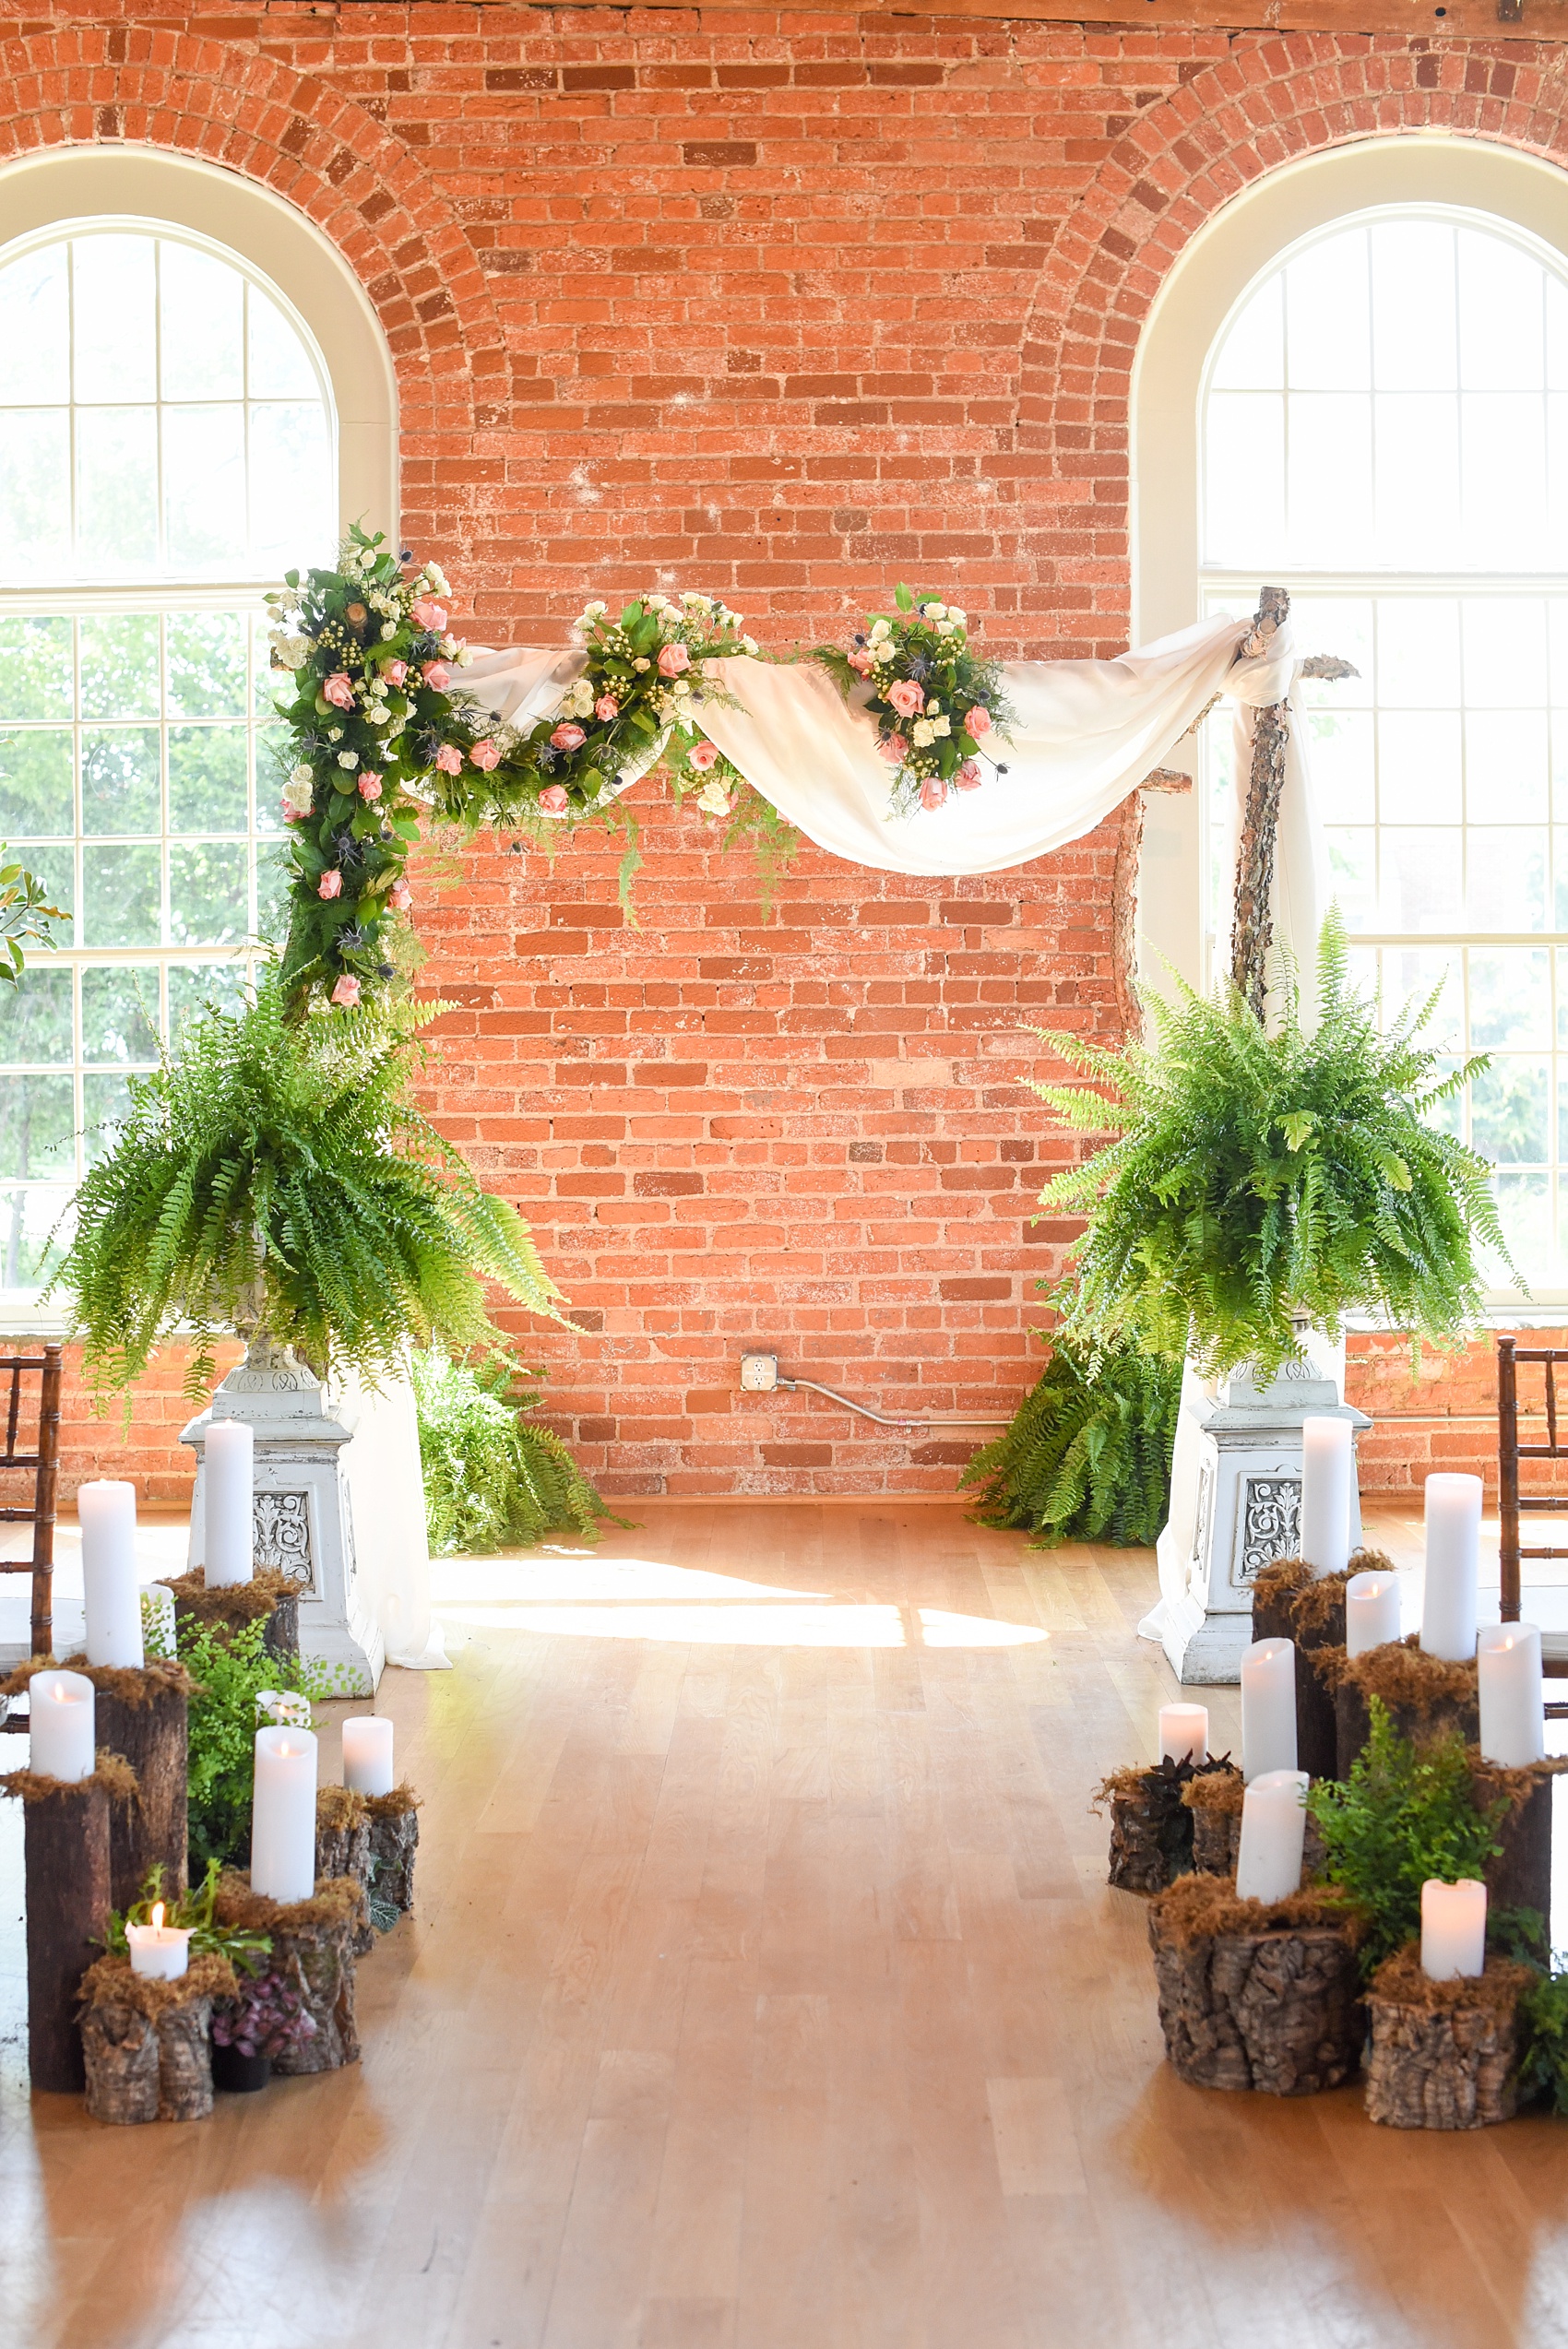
(765, 1992)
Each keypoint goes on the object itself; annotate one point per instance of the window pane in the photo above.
(1327, 320)
(55, 864)
(116, 491)
(1510, 999)
(206, 664)
(36, 1125)
(120, 780)
(290, 486)
(1252, 357)
(35, 669)
(119, 656)
(105, 1100)
(203, 487)
(1246, 476)
(202, 302)
(1506, 888)
(1418, 478)
(1422, 879)
(1414, 330)
(206, 778)
(112, 313)
(1506, 767)
(35, 493)
(1342, 770)
(1501, 315)
(35, 1018)
(1503, 458)
(120, 1014)
(1352, 873)
(193, 986)
(1508, 1112)
(208, 895)
(271, 744)
(1419, 768)
(26, 1220)
(1414, 973)
(1418, 652)
(36, 794)
(280, 368)
(1330, 441)
(121, 889)
(272, 882)
(35, 342)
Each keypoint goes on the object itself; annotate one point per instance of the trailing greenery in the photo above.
(1087, 1457)
(1258, 1176)
(492, 1477)
(1544, 2070)
(231, 1669)
(278, 1175)
(25, 914)
(1403, 1814)
(196, 1913)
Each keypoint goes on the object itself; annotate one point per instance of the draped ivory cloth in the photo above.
(1087, 733)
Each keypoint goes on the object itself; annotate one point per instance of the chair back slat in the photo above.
(44, 1461)
(11, 1413)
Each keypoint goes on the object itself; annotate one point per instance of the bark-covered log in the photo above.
(394, 1823)
(1520, 1877)
(1290, 1602)
(1151, 1832)
(1255, 1997)
(148, 1728)
(147, 2044)
(318, 1937)
(1215, 1802)
(1444, 2055)
(1427, 1698)
(269, 1597)
(342, 1848)
(66, 1870)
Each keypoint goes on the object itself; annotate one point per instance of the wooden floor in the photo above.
(765, 1992)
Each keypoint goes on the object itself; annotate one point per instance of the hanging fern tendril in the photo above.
(1087, 1457)
(276, 1176)
(1259, 1176)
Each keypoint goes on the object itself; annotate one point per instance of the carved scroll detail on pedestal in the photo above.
(282, 1536)
(1271, 1521)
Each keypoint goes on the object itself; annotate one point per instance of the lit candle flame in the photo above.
(158, 1916)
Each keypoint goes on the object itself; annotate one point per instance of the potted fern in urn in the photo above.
(274, 1180)
(1265, 1180)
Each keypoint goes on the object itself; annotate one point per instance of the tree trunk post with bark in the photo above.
(1252, 929)
(65, 1845)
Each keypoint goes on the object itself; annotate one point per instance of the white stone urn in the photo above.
(1236, 1501)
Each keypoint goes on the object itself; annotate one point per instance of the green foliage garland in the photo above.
(937, 707)
(230, 1670)
(492, 1479)
(1403, 1814)
(280, 1177)
(1087, 1457)
(1258, 1176)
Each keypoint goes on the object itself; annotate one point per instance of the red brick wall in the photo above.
(786, 307)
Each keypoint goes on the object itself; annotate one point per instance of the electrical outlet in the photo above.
(759, 1373)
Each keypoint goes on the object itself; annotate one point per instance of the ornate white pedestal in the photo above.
(305, 1518)
(1235, 1504)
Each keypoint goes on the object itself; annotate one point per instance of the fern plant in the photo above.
(493, 1479)
(1087, 1457)
(1257, 1177)
(230, 1670)
(275, 1176)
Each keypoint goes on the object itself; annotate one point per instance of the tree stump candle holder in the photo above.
(146, 2044)
(342, 1848)
(394, 1823)
(1254, 1995)
(1151, 1826)
(1290, 1602)
(1444, 2055)
(142, 1716)
(314, 1941)
(1520, 1876)
(66, 1845)
(1214, 1800)
(1427, 1697)
(269, 1596)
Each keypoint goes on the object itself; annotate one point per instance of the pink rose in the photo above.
(437, 676)
(861, 659)
(339, 691)
(449, 759)
(672, 660)
(702, 755)
(968, 775)
(370, 787)
(894, 749)
(347, 992)
(395, 671)
(607, 709)
(292, 814)
(330, 885)
(907, 697)
(976, 723)
(934, 790)
(553, 800)
(425, 614)
(568, 737)
(400, 896)
(486, 755)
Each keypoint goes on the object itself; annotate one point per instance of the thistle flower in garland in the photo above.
(939, 711)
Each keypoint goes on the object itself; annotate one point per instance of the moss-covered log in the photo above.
(1444, 2055)
(146, 2044)
(314, 1940)
(1428, 1697)
(1254, 1995)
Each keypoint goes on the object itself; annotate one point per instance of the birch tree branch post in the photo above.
(1252, 931)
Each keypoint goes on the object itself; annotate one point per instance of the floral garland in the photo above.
(382, 734)
(935, 705)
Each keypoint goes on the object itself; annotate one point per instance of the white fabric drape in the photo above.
(1087, 733)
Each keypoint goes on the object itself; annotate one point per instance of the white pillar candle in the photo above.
(229, 1488)
(367, 1749)
(160, 1952)
(106, 1510)
(283, 1815)
(1453, 1929)
(62, 1743)
(1372, 1611)
(1269, 1707)
(1274, 1826)
(1513, 1697)
(1454, 1537)
(1327, 1470)
(158, 1637)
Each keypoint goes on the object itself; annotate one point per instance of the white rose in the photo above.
(879, 628)
(714, 800)
(348, 758)
(595, 611)
(294, 651)
(378, 715)
(334, 734)
(297, 794)
(464, 654)
(640, 663)
(682, 689)
(941, 726)
(946, 628)
(300, 774)
(658, 603)
(933, 611)
(748, 643)
(959, 618)
(921, 733)
(390, 630)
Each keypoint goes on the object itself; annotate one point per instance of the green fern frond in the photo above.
(1088, 1455)
(493, 1479)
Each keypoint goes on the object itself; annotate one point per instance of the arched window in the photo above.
(168, 444)
(1383, 430)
